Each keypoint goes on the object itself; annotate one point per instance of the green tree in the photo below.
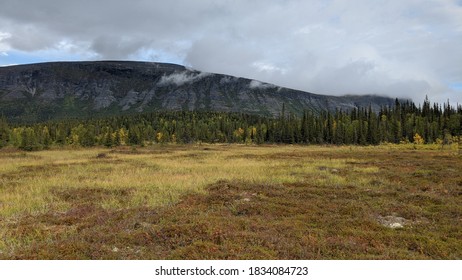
(4, 132)
(46, 138)
(29, 140)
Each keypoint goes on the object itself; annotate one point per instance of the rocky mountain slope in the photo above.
(38, 92)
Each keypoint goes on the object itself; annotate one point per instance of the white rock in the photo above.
(395, 225)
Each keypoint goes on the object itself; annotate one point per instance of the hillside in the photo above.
(38, 92)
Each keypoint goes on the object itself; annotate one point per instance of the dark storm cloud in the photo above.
(397, 48)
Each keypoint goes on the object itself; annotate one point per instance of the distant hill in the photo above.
(56, 90)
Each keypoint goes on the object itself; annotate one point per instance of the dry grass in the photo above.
(231, 202)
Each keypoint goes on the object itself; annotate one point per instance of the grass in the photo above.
(231, 202)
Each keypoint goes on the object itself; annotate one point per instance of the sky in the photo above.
(396, 48)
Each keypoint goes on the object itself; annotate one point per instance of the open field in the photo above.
(231, 202)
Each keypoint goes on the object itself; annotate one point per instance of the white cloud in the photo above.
(268, 67)
(181, 78)
(4, 47)
(4, 35)
(257, 84)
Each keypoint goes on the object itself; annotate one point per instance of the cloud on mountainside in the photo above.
(396, 48)
(181, 78)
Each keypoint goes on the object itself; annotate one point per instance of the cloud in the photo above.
(4, 47)
(268, 67)
(257, 84)
(114, 47)
(181, 78)
(405, 48)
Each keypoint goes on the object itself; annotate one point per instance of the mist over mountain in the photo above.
(56, 90)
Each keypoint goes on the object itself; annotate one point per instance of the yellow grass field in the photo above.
(231, 202)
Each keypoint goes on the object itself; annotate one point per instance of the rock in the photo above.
(79, 89)
(395, 225)
(392, 221)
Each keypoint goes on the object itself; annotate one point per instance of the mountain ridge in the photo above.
(52, 90)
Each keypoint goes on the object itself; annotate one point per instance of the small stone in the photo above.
(395, 225)
(115, 249)
(393, 222)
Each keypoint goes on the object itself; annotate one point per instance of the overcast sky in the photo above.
(398, 48)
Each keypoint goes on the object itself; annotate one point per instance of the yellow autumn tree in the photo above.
(123, 135)
(160, 137)
(239, 133)
(418, 140)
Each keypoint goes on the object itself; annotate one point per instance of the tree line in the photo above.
(402, 123)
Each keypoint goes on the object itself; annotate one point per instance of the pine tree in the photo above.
(46, 138)
(4, 132)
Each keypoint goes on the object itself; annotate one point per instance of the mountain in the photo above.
(38, 92)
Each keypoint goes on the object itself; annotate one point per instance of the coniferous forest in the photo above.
(402, 123)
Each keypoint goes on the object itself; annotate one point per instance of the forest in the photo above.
(404, 122)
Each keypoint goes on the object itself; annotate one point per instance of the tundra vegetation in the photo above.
(221, 201)
(209, 185)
